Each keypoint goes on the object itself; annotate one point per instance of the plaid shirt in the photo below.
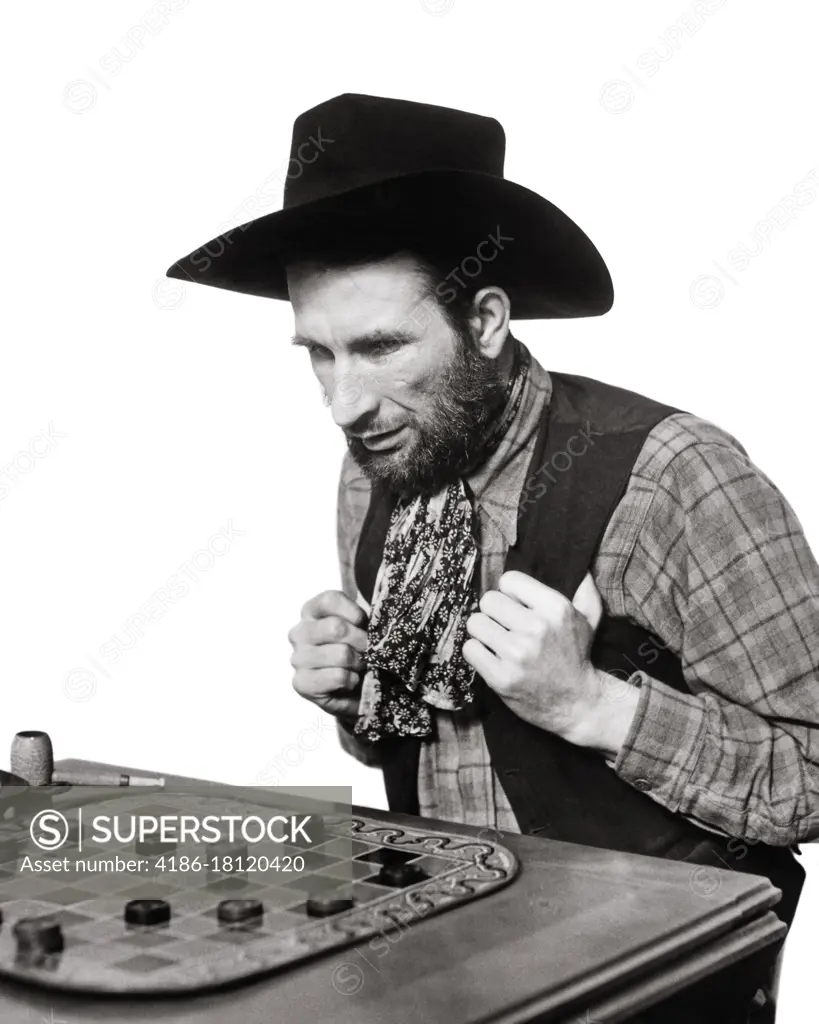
(706, 554)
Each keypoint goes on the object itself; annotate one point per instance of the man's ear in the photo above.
(489, 322)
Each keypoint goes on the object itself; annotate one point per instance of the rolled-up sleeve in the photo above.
(723, 574)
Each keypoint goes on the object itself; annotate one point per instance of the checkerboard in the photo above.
(195, 950)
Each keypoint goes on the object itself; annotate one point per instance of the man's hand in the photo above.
(531, 645)
(329, 643)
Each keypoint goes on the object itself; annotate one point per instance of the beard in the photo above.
(463, 401)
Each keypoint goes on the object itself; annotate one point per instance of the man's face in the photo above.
(411, 394)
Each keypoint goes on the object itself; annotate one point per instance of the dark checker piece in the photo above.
(319, 906)
(240, 911)
(400, 875)
(39, 935)
(147, 912)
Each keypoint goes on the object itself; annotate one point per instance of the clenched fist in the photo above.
(532, 647)
(329, 643)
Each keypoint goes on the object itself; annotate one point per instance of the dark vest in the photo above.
(586, 448)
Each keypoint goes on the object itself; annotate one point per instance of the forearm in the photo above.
(721, 764)
(606, 725)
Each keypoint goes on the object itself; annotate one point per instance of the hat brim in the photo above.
(542, 259)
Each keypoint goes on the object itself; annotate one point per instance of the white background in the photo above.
(132, 136)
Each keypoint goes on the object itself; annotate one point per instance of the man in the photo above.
(567, 609)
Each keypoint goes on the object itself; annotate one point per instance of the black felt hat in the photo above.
(421, 177)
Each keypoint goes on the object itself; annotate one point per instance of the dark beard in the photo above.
(466, 399)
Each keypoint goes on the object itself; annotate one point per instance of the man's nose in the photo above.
(352, 397)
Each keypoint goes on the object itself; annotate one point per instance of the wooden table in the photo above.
(581, 935)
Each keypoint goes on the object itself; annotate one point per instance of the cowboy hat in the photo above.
(421, 178)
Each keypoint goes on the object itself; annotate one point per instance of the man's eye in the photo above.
(382, 351)
(316, 351)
